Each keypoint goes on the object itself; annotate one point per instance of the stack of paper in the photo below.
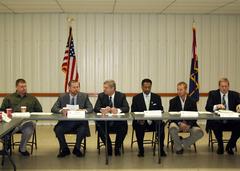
(227, 114)
(174, 113)
(110, 114)
(21, 114)
(138, 113)
(189, 114)
(41, 113)
(205, 112)
(72, 107)
(153, 113)
(76, 114)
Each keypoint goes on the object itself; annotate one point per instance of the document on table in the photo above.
(227, 114)
(174, 113)
(153, 113)
(138, 113)
(187, 114)
(41, 113)
(76, 114)
(72, 107)
(204, 112)
(111, 114)
(21, 114)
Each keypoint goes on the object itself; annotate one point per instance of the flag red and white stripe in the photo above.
(69, 65)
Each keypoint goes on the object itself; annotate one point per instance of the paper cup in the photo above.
(23, 108)
(9, 112)
(1, 116)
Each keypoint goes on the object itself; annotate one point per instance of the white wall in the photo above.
(124, 47)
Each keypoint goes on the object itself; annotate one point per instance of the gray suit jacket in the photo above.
(82, 100)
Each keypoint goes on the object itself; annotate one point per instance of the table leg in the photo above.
(106, 142)
(159, 150)
(5, 152)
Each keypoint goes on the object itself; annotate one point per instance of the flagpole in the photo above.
(69, 20)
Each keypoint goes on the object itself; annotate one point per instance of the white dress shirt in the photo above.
(226, 101)
(183, 101)
(147, 100)
(119, 110)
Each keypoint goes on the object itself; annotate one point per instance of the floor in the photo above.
(44, 158)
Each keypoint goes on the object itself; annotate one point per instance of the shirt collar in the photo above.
(147, 95)
(223, 94)
(112, 96)
(71, 96)
(18, 95)
(182, 99)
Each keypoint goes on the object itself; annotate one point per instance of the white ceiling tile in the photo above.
(122, 6)
(21, 6)
(3, 9)
(233, 8)
(195, 6)
(87, 5)
(141, 5)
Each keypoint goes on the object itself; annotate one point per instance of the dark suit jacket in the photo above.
(82, 100)
(214, 98)
(120, 102)
(190, 105)
(138, 104)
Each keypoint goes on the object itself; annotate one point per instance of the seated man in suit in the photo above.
(112, 101)
(74, 97)
(183, 102)
(224, 99)
(147, 101)
(17, 100)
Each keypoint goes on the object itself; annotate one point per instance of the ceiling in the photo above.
(122, 6)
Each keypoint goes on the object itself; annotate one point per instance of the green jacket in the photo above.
(15, 101)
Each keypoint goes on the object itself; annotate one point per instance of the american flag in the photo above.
(69, 65)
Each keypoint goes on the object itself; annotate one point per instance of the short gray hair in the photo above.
(111, 83)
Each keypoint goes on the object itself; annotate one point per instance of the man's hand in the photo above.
(220, 106)
(184, 127)
(105, 110)
(64, 111)
(238, 108)
(114, 110)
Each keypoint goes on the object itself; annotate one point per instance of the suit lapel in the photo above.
(66, 100)
(179, 104)
(230, 102)
(79, 96)
(186, 103)
(143, 103)
(219, 100)
(115, 99)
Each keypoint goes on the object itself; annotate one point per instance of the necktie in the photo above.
(110, 102)
(224, 101)
(72, 101)
(183, 102)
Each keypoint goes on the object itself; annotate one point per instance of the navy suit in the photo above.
(214, 98)
(118, 127)
(80, 127)
(138, 105)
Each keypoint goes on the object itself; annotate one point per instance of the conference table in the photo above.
(88, 117)
(7, 127)
(133, 116)
(5, 130)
